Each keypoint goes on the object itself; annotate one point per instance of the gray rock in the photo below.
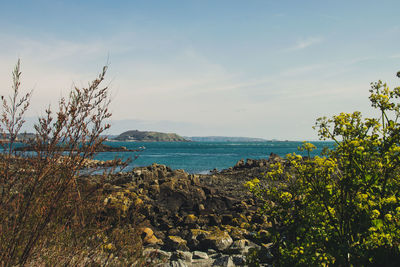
(200, 255)
(182, 255)
(216, 255)
(178, 263)
(239, 260)
(157, 253)
(211, 251)
(202, 263)
(224, 261)
(239, 246)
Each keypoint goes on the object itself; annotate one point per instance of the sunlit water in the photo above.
(201, 157)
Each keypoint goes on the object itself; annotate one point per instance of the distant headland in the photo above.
(148, 136)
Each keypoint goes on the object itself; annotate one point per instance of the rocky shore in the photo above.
(195, 220)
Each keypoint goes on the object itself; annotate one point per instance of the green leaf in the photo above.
(378, 223)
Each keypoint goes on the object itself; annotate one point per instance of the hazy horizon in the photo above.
(261, 69)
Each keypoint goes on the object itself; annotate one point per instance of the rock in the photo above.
(178, 263)
(217, 239)
(194, 178)
(274, 158)
(176, 194)
(154, 189)
(190, 219)
(264, 235)
(200, 208)
(153, 240)
(202, 263)
(157, 253)
(182, 255)
(195, 236)
(122, 180)
(176, 243)
(211, 251)
(239, 260)
(250, 163)
(237, 233)
(148, 237)
(213, 213)
(259, 219)
(214, 219)
(239, 246)
(199, 255)
(181, 174)
(239, 164)
(265, 252)
(225, 261)
(137, 173)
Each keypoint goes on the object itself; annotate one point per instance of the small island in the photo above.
(148, 136)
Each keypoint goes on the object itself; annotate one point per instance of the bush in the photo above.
(50, 214)
(342, 208)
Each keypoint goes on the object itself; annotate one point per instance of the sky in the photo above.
(263, 69)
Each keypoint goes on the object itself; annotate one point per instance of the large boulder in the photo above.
(176, 194)
(219, 240)
(214, 239)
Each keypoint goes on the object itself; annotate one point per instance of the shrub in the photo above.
(49, 213)
(342, 208)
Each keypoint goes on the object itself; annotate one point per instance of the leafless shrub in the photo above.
(48, 214)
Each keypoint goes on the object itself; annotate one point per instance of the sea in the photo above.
(202, 157)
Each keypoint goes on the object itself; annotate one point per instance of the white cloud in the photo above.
(305, 43)
(177, 88)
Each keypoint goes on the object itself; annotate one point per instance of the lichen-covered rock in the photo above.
(216, 239)
(192, 211)
(195, 236)
(191, 219)
(148, 237)
(176, 243)
(235, 232)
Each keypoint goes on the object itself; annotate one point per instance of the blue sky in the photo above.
(237, 68)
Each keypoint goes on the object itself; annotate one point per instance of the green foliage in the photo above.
(341, 209)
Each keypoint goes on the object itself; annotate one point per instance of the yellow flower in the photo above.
(398, 210)
(109, 246)
(286, 196)
(388, 217)
(375, 214)
(391, 200)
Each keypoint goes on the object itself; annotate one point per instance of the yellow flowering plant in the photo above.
(342, 209)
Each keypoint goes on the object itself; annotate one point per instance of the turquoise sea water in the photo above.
(201, 157)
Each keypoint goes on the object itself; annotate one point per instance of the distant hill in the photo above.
(21, 137)
(144, 136)
(224, 139)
